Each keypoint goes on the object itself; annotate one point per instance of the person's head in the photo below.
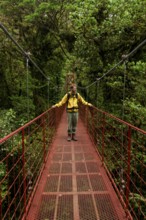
(73, 88)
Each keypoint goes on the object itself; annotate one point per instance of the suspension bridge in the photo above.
(99, 177)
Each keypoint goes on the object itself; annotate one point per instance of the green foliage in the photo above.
(7, 122)
(2, 175)
(86, 37)
(135, 113)
(138, 201)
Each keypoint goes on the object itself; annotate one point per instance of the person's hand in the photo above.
(53, 106)
(90, 104)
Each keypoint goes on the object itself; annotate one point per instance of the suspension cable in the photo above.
(27, 55)
(140, 45)
(24, 53)
(124, 57)
(22, 50)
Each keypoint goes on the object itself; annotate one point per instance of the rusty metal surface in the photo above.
(74, 184)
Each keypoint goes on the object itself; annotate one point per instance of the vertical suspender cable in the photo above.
(48, 91)
(27, 88)
(97, 92)
(123, 114)
(124, 88)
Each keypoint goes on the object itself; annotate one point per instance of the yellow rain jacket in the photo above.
(72, 101)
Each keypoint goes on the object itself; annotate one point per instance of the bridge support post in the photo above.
(128, 167)
(103, 137)
(44, 138)
(24, 172)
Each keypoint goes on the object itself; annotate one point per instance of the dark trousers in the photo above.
(72, 122)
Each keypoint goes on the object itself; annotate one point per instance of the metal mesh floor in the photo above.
(74, 185)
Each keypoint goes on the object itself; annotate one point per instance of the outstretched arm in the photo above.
(83, 101)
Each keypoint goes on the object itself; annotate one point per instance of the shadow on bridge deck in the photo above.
(74, 185)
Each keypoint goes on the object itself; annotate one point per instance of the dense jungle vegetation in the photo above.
(85, 37)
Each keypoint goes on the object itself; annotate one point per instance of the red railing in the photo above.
(22, 157)
(122, 148)
(120, 145)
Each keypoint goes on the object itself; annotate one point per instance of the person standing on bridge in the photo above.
(71, 99)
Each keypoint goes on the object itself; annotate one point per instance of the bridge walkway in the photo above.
(74, 184)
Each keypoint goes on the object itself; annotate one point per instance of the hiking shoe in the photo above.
(69, 137)
(74, 137)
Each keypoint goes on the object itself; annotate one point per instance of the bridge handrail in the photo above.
(23, 127)
(121, 147)
(120, 120)
(22, 160)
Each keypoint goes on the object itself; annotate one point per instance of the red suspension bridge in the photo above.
(101, 176)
